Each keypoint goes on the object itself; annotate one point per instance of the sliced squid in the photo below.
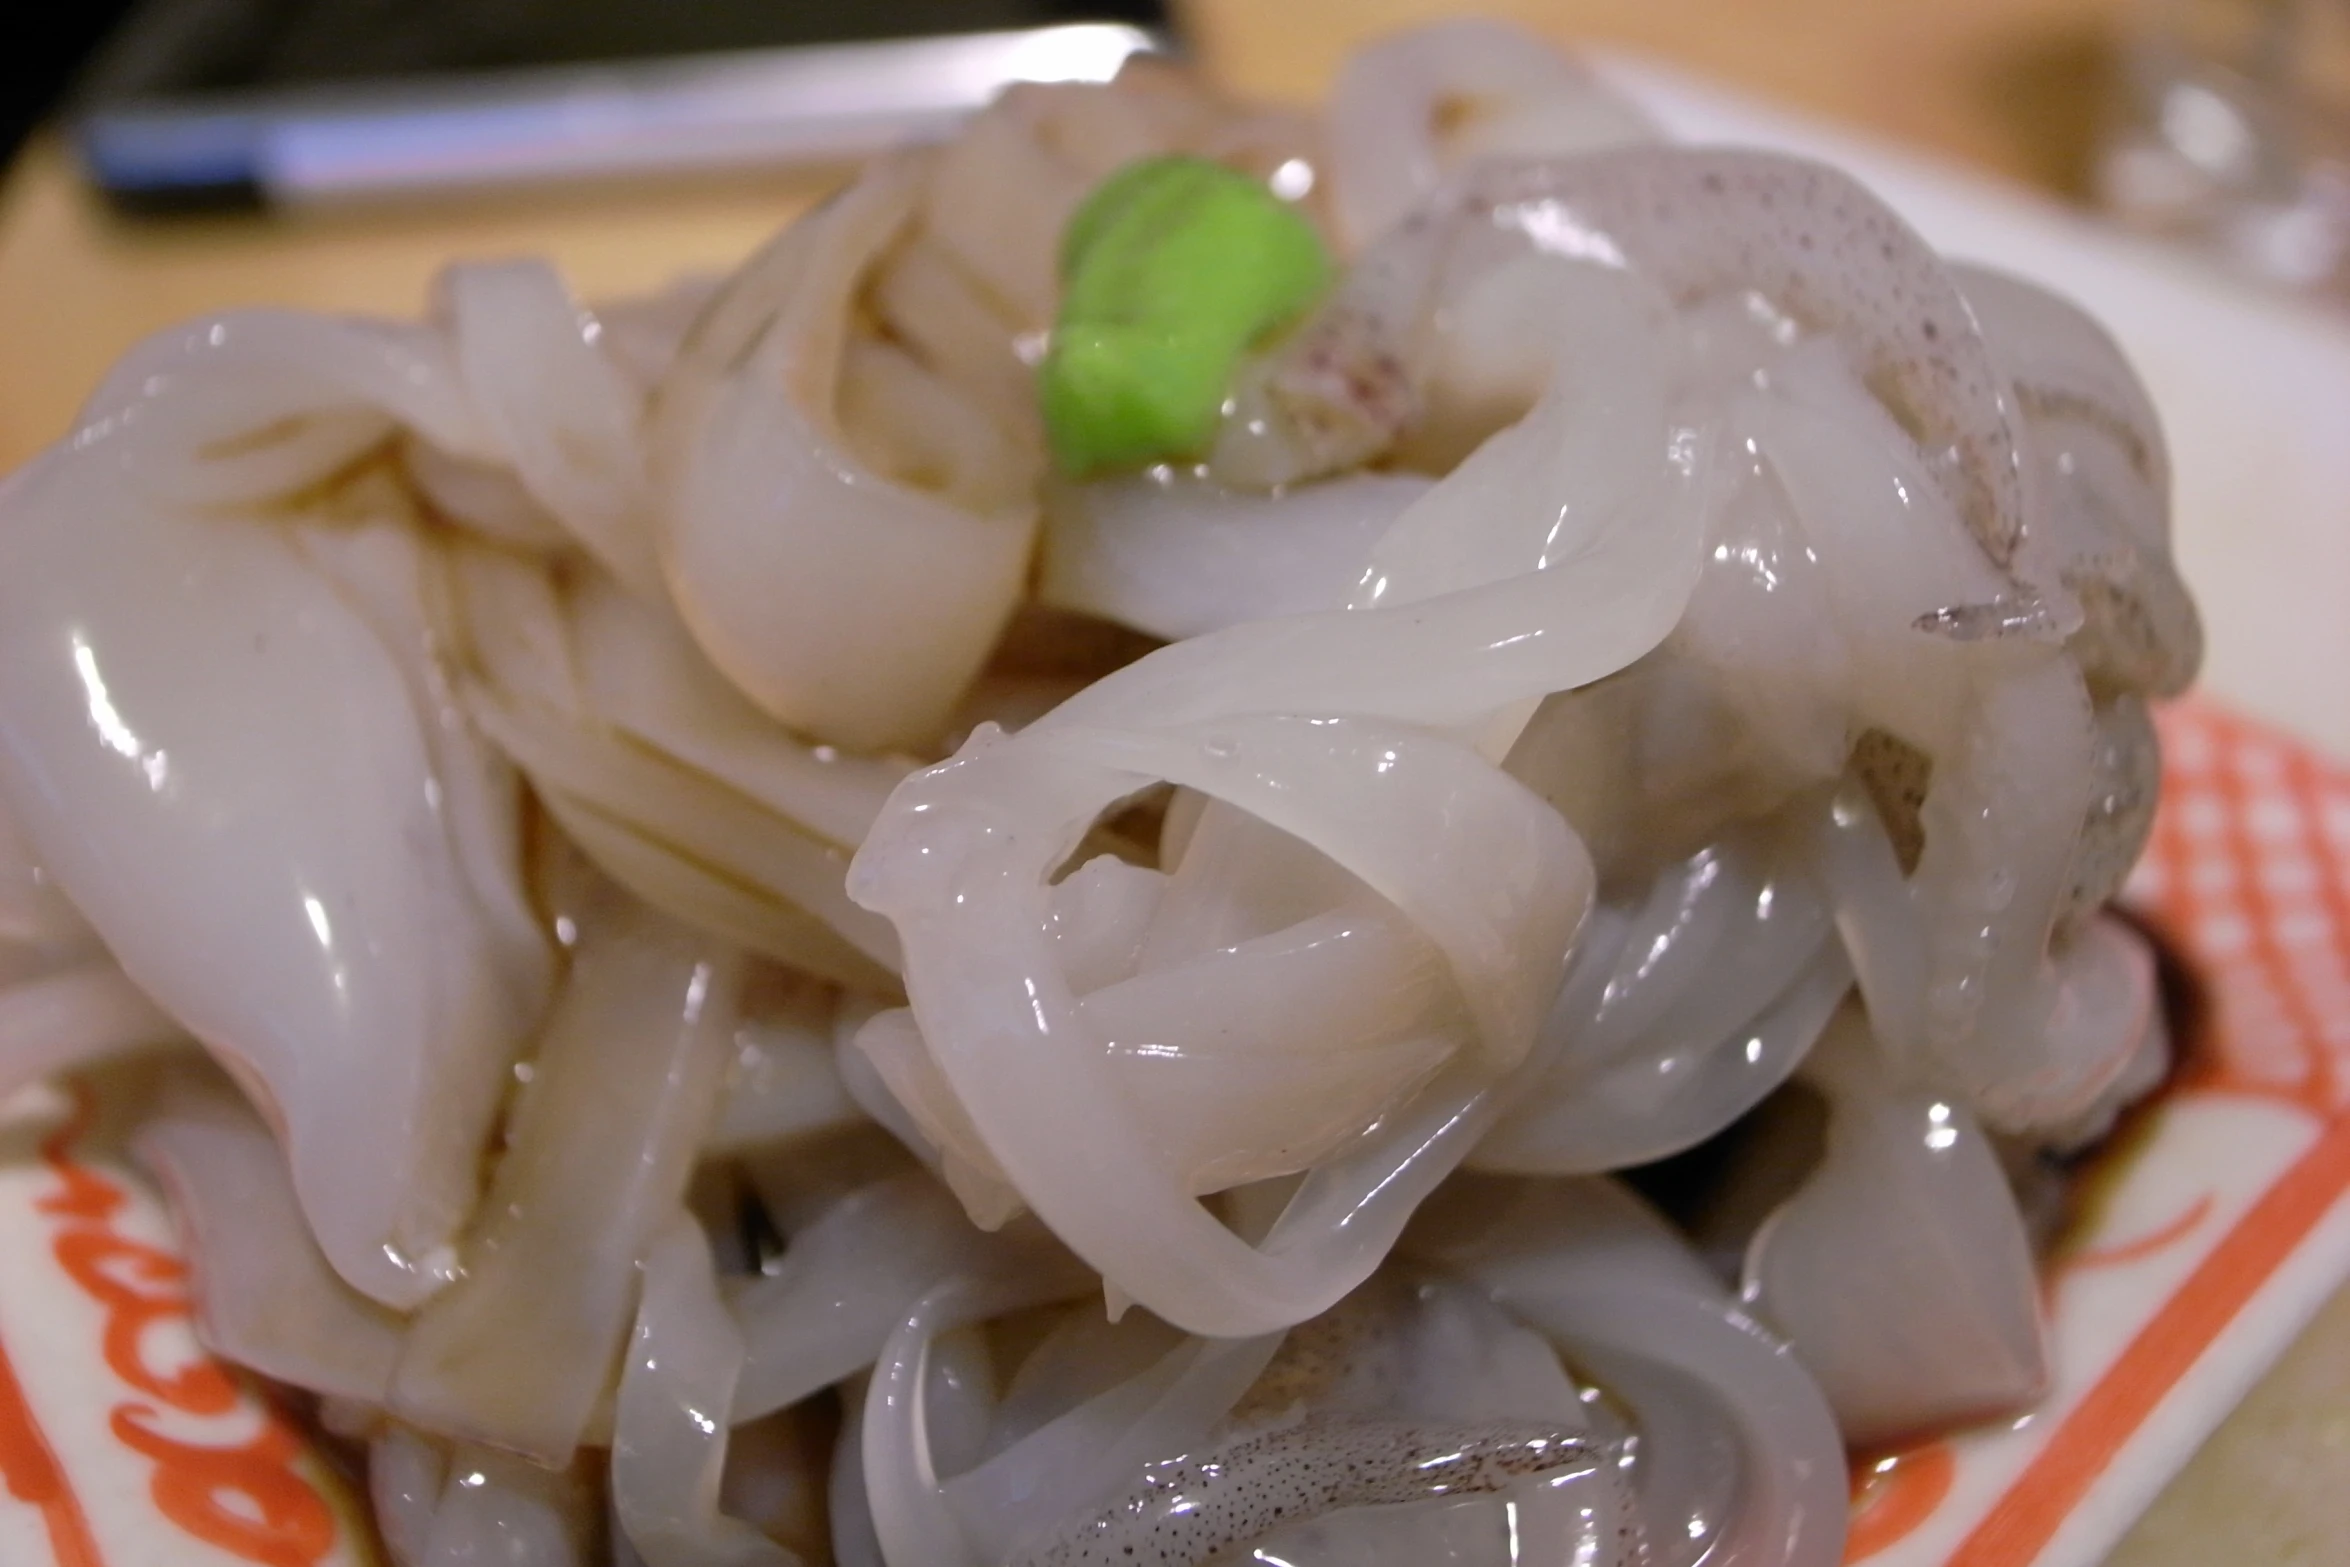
(1900, 1270)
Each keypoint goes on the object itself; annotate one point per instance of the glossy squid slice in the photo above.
(1176, 556)
(1407, 111)
(659, 769)
(1567, 1501)
(1900, 1271)
(851, 590)
(1476, 603)
(848, 1278)
(563, 413)
(675, 1408)
(265, 1296)
(2099, 477)
(623, 1087)
(1740, 1453)
(332, 931)
(1697, 224)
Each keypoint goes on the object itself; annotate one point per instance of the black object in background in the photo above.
(193, 102)
(39, 57)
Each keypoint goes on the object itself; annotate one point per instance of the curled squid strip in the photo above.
(1258, 1059)
(1177, 556)
(265, 1295)
(1457, 626)
(849, 1277)
(784, 1089)
(253, 405)
(990, 958)
(915, 1518)
(1590, 1267)
(329, 931)
(851, 593)
(565, 416)
(35, 917)
(1679, 1012)
(1020, 1495)
(405, 1474)
(2100, 472)
(1567, 1503)
(495, 1507)
(1672, 1095)
(675, 1405)
(660, 770)
(855, 1540)
(1407, 111)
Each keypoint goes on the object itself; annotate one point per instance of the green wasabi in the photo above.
(1170, 271)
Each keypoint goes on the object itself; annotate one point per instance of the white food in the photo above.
(731, 914)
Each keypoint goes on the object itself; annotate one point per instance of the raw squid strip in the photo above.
(1463, 636)
(1588, 1265)
(250, 406)
(1567, 1503)
(322, 930)
(1680, 1017)
(662, 772)
(1900, 1271)
(984, 962)
(622, 1090)
(849, 1278)
(1406, 111)
(405, 1474)
(676, 1403)
(382, 567)
(32, 911)
(563, 414)
(265, 1296)
(915, 1525)
(784, 1086)
(495, 1507)
(1176, 556)
(2100, 477)
(1660, 1102)
(853, 604)
(1359, 1438)
(1066, 1468)
(74, 1017)
(855, 1540)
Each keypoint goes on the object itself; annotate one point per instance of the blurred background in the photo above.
(2224, 124)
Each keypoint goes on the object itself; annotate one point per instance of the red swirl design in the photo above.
(247, 1498)
(1893, 1494)
(31, 1474)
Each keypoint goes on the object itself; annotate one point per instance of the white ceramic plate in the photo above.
(2213, 1240)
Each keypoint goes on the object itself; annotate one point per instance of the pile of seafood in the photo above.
(1198, 834)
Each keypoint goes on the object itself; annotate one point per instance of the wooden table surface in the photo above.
(2013, 86)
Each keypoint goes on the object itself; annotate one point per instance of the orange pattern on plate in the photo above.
(248, 1498)
(32, 1474)
(1894, 1493)
(2248, 874)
